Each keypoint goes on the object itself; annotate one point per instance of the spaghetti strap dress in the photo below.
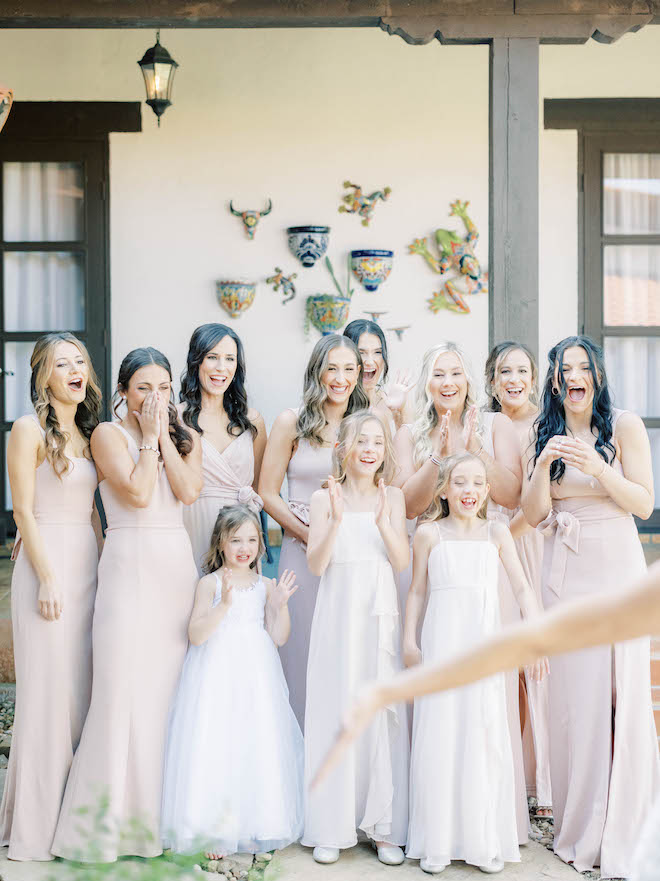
(147, 579)
(53, 659)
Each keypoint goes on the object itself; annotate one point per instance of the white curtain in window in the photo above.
(42, 201)
(631, 193)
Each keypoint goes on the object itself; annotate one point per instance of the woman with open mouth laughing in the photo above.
(53, 480)
(511, 379)
(214, 404)
(589, 470)
(388, 402)
(300, 448)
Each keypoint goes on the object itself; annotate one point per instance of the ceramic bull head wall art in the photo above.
(251, 218)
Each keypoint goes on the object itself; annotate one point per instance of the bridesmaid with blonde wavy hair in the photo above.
(300, 448)
(53, 480)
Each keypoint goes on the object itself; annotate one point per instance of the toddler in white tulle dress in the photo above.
(234, 763)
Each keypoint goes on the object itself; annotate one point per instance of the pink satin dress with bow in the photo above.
(53, 659)
(227, 477)
(308, 467)
(604, 765)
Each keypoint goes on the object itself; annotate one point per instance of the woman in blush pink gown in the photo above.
(300, 447)
(447, 421)
(590, 469)
(53, 480)
(511, 379)
(214, 404)
(149, 465)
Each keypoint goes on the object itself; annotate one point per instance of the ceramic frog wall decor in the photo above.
(456, 261)
(357, 202)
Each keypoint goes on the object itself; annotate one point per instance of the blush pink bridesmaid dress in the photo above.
(309, 466)
(603, 763)
(147, 579)
(227, 477)
(53, 659)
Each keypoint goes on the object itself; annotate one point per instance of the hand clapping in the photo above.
(582, 456)
(227, 588)
(382, 510)
(336, 500)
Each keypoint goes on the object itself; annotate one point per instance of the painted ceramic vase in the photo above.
(235, 296)
(308, 243)
(371, 267)
(326, 312)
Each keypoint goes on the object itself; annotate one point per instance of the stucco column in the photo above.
(514, 191)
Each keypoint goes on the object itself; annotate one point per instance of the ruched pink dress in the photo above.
(53, 660)
(147, 579)
(604, 766)
(227, 477)
(308, 468)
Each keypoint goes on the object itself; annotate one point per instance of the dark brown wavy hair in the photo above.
(181, 437)
(88, 413)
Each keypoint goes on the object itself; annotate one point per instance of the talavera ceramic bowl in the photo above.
(371, 267)
(308, 243)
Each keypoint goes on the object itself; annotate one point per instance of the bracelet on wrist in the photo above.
(149, 447)
(435, 459)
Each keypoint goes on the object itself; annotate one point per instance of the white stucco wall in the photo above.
(290, 114)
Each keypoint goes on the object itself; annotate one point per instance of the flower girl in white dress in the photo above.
(462, 801)
(234, 765)
(357, 537)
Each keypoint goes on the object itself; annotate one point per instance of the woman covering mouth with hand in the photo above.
(589, 468)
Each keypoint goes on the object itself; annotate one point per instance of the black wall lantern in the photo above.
(158, 68)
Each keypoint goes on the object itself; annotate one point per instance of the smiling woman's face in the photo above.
(68, 378)
(448, 385)
(576, 376)
(341, 375)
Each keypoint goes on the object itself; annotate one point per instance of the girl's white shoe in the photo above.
(431, 868)
(326, 854)
(389, 854)
(493, 867)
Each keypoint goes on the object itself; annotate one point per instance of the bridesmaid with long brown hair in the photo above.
(214, 404)
(300, 448)
(149, 466)
(53, 480)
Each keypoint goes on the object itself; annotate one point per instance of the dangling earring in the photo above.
(555, 392)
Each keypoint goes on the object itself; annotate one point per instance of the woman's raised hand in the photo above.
(149, 419)
(553, 450)
(441, 437)
(284, 589)
(396, 392)
(470, 438)
(336, 500)
(583, 456)
(382, 510)
(227, 588)
(164, 415)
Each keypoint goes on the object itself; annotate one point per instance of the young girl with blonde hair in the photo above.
(357, 540)
(462, 793)
(233, 771)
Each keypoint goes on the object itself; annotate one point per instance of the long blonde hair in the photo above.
(349, 432)
(311, 418)
(439, 507)
(88, 413)
(426, 416)
(227, 522)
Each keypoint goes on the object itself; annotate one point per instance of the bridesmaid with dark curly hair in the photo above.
(53, 480)
(149, 466)
(589, 471)
(214, 404)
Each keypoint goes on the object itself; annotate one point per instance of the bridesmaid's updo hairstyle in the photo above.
(356, 328)
(311, 419)
(349, 432)
(227, 522)
(552, 417)
(497, 355)
(88, 413)
(181, 437)
(205, 338)
(426, 416)
(439, 507)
